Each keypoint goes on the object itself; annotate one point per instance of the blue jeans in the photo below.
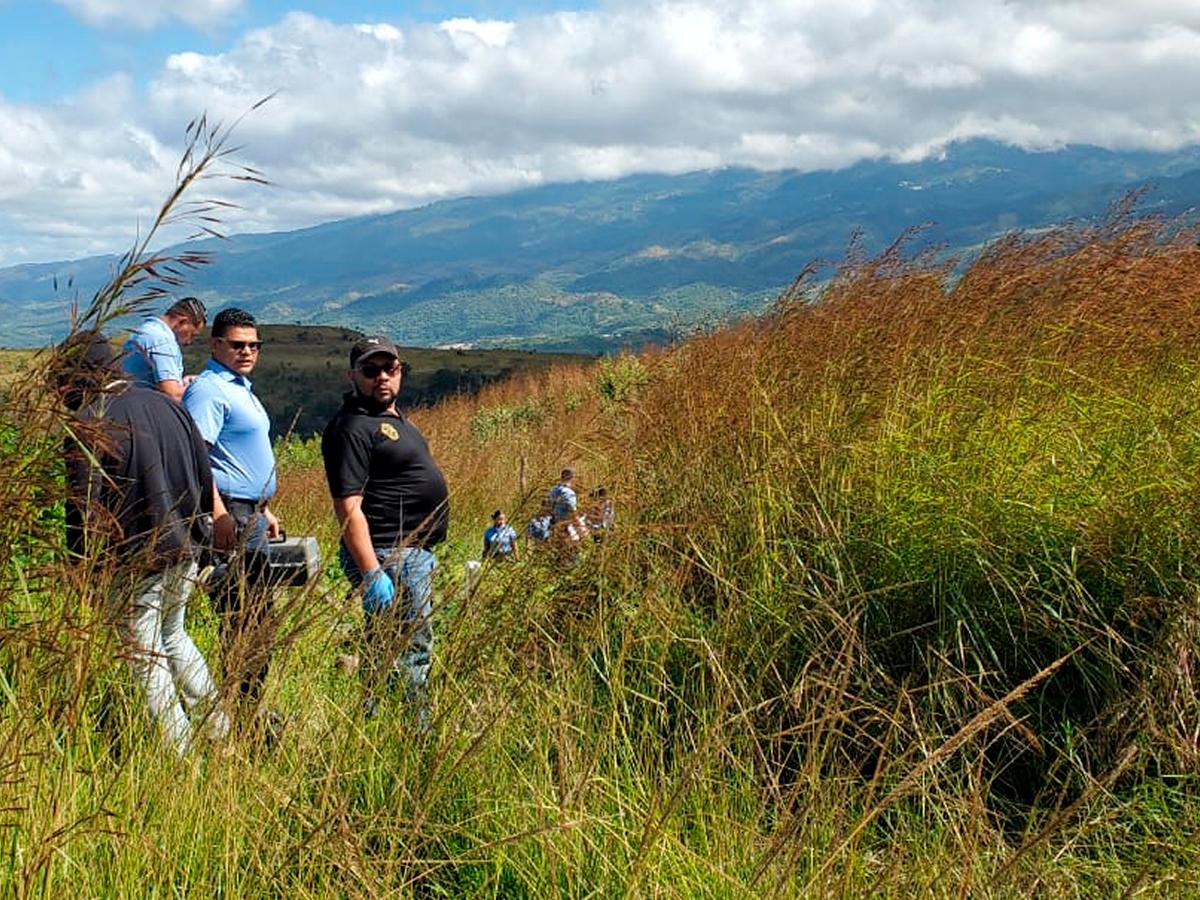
(399, 637)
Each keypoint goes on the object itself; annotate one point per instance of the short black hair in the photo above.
(190, 308)
(497, 514)
(232, 317)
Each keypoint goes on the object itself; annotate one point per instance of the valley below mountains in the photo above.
(594, 266)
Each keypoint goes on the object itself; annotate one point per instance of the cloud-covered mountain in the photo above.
(591, 264)
(381, 107)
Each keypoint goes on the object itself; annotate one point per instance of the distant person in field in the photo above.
(600, 514)
(538, 529)
(500, 539)
(237, 430)
(562, 499)
(139, 494)
(154, 354)
(567, 527)
(391, 501)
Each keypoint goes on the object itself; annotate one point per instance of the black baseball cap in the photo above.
(372, 346)
(89, 350)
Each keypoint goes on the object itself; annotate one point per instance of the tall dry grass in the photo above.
(901, 601)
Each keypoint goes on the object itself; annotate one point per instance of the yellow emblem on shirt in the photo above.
(388, 430)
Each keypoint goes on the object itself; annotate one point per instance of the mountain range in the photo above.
(594, 265)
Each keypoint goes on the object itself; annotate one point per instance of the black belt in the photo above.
(244, 504)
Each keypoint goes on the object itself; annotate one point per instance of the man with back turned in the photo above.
(153, 353)
(139, 491)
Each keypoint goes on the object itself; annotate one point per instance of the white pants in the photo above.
(165, 659)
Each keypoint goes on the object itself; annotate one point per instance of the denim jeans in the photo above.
(399, 637)
(163, 656)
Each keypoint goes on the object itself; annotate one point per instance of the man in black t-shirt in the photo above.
(391, 502)
(139, 485)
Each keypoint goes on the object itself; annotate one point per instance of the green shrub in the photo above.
(574, 400)
(297, 452)
(489, 422)
(621, 378)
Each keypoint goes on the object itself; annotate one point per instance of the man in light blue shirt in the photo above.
(567, 527)
(153, 353)
(562, 499)
(237, 430)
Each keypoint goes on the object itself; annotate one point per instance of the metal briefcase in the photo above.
(293, 561)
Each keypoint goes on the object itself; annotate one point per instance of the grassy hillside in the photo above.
(901, 601)
(301, 374)
(13, 364)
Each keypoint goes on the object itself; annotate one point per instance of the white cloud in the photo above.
(489, 34)
(145, 14)
(78, 178)
(377, 117)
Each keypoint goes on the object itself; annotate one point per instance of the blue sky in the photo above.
(384, 106)
(48, 50)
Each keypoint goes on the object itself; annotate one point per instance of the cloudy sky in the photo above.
(388, 105)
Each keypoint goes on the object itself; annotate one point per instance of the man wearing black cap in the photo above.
(153, 353)
(139, 485)
(391, 502)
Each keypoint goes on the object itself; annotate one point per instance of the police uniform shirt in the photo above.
(385, 458)
(152, 354)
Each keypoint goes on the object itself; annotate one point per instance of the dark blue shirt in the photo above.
(138, 478)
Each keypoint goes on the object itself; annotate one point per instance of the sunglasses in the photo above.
(373, 370)
(242, 345)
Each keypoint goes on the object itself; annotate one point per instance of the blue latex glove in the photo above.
(378, 591)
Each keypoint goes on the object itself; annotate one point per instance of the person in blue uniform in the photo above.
(500, 538)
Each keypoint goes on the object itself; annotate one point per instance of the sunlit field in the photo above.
(14, 364)
(902, 600)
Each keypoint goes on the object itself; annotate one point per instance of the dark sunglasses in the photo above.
(373, 370)
(242, 345)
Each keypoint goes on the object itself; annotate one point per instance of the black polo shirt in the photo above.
(137, 474)
(381, 455)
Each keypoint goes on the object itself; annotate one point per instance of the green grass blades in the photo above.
(900, 601)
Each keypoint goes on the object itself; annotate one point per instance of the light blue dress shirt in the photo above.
(152, 354)
(237, 429)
